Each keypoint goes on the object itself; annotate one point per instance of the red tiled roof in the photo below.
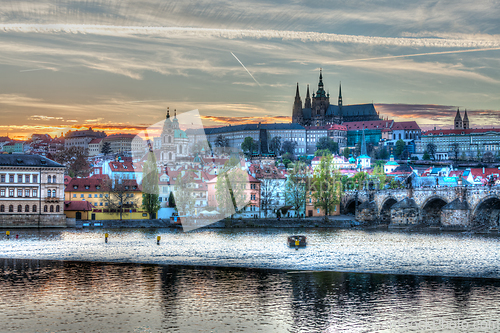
(78, 205)
(478, 172)
(94, 141)
(338, 127)
(122, 166)
(459, 131)
(405, 125)
(375, 124)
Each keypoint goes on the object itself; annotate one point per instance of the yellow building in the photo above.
(105, 203)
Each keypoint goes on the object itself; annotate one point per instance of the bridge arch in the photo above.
(385, 209)
(486, 212)
(350, 206)
(431, 209)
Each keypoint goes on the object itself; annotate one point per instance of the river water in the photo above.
(248, 281)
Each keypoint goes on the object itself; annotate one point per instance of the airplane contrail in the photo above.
(36, 69)
(246, 69)
(419, 54)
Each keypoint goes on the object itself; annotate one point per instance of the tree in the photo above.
(426, 156)
(327, 143)
(431, 149)
(346, 152)
(296, 186)
(201, 147)
(288, 147)
(400, 147)
(488, 157)
(275, 145)
(287, 159)
(184, 193)
(119, 194)
(230, 188)
(106, 148)
(150, 188)
(75, 160)
(378, 172)
(171, 200)
(382, 153)
(221, 141)
(269, 189)
(359, 180)
(322, 152)
(326, 186)
(455, 149)
(249, 146)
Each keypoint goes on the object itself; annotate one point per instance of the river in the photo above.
(248, 281)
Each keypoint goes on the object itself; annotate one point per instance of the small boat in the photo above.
(296, 241)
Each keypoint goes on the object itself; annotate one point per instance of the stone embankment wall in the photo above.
(32, 221)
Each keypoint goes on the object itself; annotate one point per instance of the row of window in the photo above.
(46, 209)
(27, 178)
(20, 191)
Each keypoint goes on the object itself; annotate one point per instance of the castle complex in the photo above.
(317, 111)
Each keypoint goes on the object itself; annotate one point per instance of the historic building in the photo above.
(317, 111)
(31, 192)
(82, 138)
(461, 123)
(173, 143)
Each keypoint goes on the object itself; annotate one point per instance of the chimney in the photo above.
(483, 170)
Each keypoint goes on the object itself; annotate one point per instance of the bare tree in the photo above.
(269, 194)
(120, 194)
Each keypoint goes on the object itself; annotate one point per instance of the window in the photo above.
(81, 195)
(51, 208)
(100, 203)
(34, 208)
(49, 179)
(318, 210)
(2, 208)
(95, 195)
(19, 208)
(54, 194)
(27, 193)
(57, 209)
(90, 195)
(35, 193)
(53, 179)
(19, 178)
(2, 193)
(19, 192)
(35, 178)
(11, 209)
(27, 209)
(11, 178)
(74, 195)
(48, 193)
(100, 195)
(26, 178)
(2, 178)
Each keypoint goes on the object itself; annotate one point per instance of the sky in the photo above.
(117, 65)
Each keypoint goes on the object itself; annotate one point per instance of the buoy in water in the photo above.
(106, 237)
(158, 238)
(7, 233)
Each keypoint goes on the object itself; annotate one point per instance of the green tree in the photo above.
(184, 193)
(327, 143)
(400, 146)
(379, 174)
(150, 188)
(426, 156)
(221, 141)
(382, 153)
(288, 147)
(346, 152)
(249, 146)
(431, 149)
(297, 185)
(322, 152)
(287, 159)
(75, 160)
(326, 186)
(275, 145)
(230, 189)
(106, 148)
(171, 200)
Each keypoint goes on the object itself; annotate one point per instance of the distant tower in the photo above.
(363, 143)
(340, 95)
(458, 120)
(465, 121)
(308, 99)
(297, 107)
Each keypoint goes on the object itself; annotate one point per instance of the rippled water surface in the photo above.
(453, 254)
(56, 296)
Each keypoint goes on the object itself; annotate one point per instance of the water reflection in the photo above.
(73, 296)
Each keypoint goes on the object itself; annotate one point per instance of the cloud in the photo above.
(246, 120)
(286, 35)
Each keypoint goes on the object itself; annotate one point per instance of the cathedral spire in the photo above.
(297, 95)
(168, 113)
(308, 99)
(340, 95)
(465, 121)
(458, 120)
(363, 144)
(321, 91)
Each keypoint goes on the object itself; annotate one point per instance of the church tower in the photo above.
(297, 108)
(320, 103)
(465, 121)
(458, 120)
(340, 95)
(308, 99)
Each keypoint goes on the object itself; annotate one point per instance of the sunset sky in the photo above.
(117, 65)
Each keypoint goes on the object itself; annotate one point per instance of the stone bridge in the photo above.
(453, 207)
